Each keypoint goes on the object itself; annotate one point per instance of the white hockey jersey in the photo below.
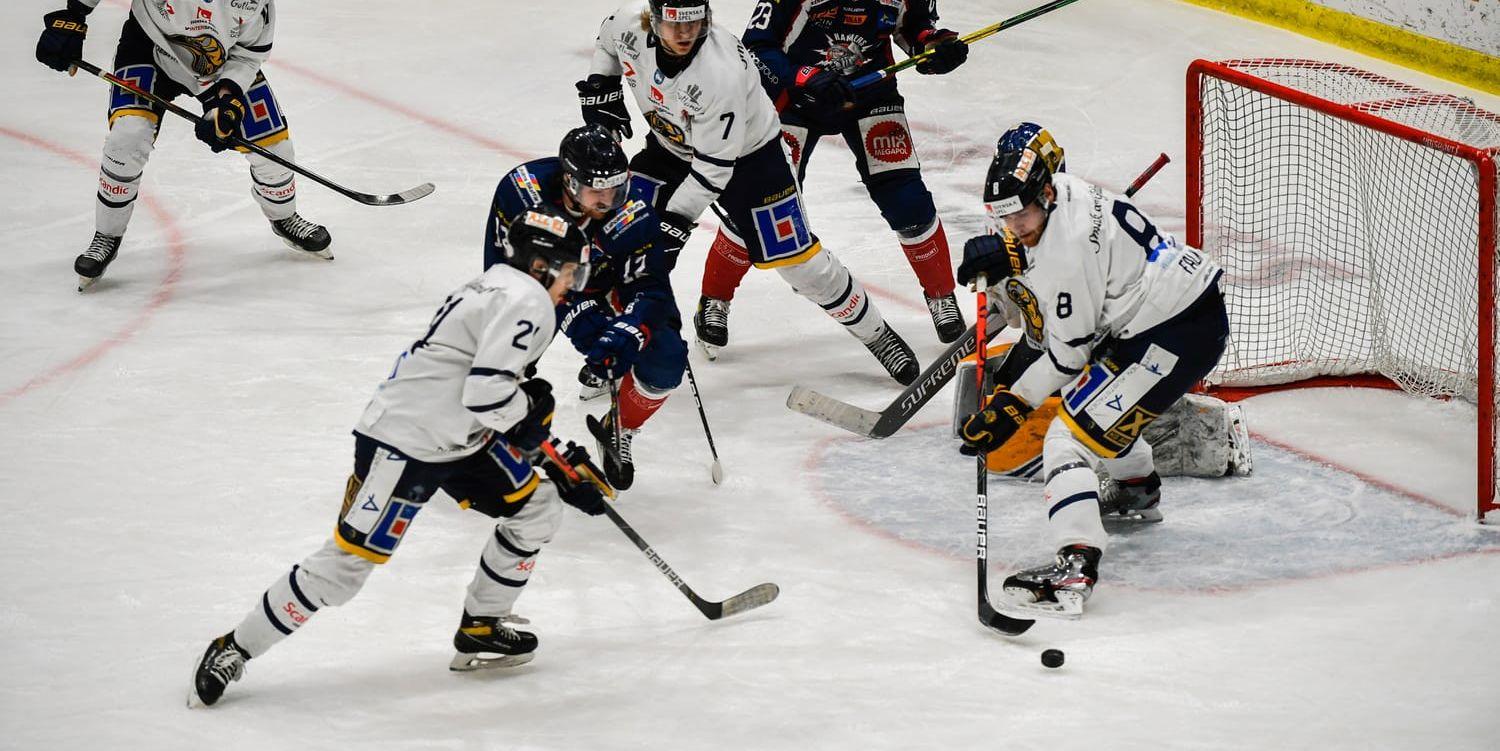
(216, 39)
(1102, 269)
(460, 381)
(712, 113)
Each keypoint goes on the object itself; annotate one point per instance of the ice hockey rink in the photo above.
(173, 439)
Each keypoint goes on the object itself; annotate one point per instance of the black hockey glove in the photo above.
(580, 493)
(223, 111)
(61, 44)
(603, 103)
(992, 255)
(617, 349)
(948, 52)
(676, 229)
(533, 428)
(822, 94)
(989, 430)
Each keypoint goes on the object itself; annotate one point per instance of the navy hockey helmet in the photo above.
(542, 242)
(592, 158)
(681, 11)
(1015, 179)
(1025, 134)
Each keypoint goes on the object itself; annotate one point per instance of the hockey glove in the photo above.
(61, 44)
(617, 349)
(581, 490)
(603, 103)
(533, 427)
(948, 52)
(676, 229)
(223, 111)
(992, 255)
(822, 94)
(1002, 417)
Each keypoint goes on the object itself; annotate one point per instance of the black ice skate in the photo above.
(946, 317)
(1057, 590)
(486, 642)
(222, 662)
(895, 355)
(302, 235)
(591, 386)
(91, 263)
(711, 323)
(619, 469)
(1134, 500)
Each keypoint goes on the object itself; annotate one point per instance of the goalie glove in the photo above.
(989, 429)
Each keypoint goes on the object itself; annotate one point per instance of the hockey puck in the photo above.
(1052, 658)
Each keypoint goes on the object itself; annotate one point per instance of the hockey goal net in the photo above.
(1355, 218)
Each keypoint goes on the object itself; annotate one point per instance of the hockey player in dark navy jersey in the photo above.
(808, 51)
(625, 322)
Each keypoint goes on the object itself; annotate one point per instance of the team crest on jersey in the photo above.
(1031, 312)
(630, 43)
(845, 53)
(528, 184)
(625, 217)
(665, 128)
(207, 52)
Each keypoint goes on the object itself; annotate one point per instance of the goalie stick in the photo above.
(754, 597)
(369, 199)
(886, 422)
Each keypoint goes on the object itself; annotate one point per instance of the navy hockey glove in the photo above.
(989, 430)
(534, 427)
(223, 111)
(822, 94)
(61, 44)
(676, 229)
(992, 255)
(580, 493)
(948, 52)
(603, 103)
(616, 350)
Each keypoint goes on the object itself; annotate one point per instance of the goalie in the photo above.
(1124, 317)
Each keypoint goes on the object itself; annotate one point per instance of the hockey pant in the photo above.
(383, 497)
(1107, 408)
(135, 122)
(761, 209)
(879, 136)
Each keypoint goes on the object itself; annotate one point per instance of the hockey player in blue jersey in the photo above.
(625, 322)
(807, 51)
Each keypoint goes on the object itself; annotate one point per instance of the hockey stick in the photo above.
(887, 421)
(754, 597)
(987, 613)
(390, 199)
(988, 31)
(715, 472)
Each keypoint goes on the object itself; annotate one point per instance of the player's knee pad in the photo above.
(904, 201)
(332, 575)
(535, 524)
(821, 278)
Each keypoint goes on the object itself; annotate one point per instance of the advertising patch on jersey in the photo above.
(1128, 428)
(657, 96)
(144, 77)
(264, 118)
(528, 185)
(625, 216)
(888, 144)
(781, 228)
(1031, 312)
(1113, 401)
(665, 128)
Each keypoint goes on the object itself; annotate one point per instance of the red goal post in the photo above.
(1355, 217)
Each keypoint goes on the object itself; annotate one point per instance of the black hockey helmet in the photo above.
(543, 234)
(681, 11)
(1015, 179)
(592, 158)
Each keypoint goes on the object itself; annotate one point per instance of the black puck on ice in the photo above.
(1052, 658)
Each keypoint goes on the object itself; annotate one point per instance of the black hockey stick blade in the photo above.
(1001, 622)
(885, 423)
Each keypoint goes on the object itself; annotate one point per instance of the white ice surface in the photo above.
(171, 441)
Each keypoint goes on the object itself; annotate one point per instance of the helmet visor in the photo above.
(599, 193)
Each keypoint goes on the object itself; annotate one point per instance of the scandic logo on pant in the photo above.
(888, 142)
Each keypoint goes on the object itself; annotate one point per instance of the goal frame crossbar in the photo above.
(1366, 114)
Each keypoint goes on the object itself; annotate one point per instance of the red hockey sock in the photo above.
(928, 256)
(636, 406)
(727, 264)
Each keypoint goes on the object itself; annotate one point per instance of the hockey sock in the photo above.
(826, 281)
(504, 569)
(727, 264)
(328, 577)
(1136, 462)
(638, 402)
(275, 186)
(926, 250)
(1072, 490)
(126, 150)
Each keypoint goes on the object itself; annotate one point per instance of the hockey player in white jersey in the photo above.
(457, 413)
(715, 139)
(1120, 316)
(205, 49)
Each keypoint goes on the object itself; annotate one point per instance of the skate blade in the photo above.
(1130, 518)
(325, 254)
(586, 394)
(709, 350)
(463, 662)
(84, 282)
(1017, 603)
